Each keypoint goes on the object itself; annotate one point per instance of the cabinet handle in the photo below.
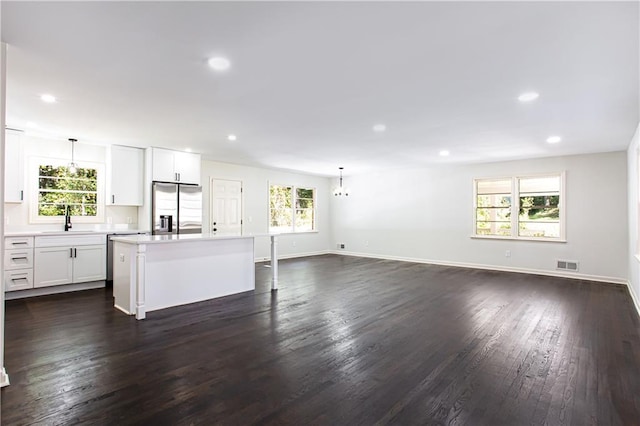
(19, 279)
(70, 252)
(179, 176)
(75, 252)
(19, 258)
(113, 199)
(21, 195)
(19, 243)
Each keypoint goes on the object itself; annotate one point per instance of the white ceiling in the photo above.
(309, 80)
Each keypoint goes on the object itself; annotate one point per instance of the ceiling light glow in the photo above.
(48, 98)
(379, 128)
(232, 138)
(219, 63)
(528, 96)
(554, 139)
(444, 153)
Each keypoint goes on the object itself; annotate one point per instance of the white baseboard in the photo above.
(293, 256)
(4, 378)
(43, 291)
(576, 276)
(634, 297)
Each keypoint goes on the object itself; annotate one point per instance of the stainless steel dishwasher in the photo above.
(110, 251)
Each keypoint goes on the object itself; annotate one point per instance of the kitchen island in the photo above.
(152, 272)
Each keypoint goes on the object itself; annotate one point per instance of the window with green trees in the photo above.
(291, 209)
(520, 207)
(59, 188)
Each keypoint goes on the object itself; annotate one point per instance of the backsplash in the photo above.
(16, 219)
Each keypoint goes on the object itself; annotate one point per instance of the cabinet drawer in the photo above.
(18, 259)
(18, 242)
(18, 280)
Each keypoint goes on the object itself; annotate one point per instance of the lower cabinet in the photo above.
(90, 263)
(18, 263)
(68, 264)
(53, 266)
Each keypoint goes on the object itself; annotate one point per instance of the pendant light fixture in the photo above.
(72, 167)
(341, 190)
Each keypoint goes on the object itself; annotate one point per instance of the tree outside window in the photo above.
(536, 213)
(291, 209)
(59, 188)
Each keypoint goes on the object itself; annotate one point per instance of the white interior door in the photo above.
(226, 207)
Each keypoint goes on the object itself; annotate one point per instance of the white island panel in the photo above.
(152, 273)
(200, 270)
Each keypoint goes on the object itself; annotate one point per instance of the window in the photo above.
(291, 209)
(520, 207)
(58, 188)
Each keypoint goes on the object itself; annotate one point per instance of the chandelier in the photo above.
(341, 190)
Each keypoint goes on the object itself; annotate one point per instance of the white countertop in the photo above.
(175, 238)
(73, 232)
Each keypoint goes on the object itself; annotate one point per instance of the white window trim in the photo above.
(34, 164)
(293, 209)
(515, 208)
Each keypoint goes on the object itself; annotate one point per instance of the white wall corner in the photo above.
(4, 378)
(634, 297)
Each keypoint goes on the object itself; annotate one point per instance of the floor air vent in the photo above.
(567, 265)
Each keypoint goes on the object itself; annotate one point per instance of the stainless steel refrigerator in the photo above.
(176, 209)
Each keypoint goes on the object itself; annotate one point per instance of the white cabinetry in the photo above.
(175, 166)
(69, 259)
(53, 266)
(18, 263)
(125, 167)
(14, 168)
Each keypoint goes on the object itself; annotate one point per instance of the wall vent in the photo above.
(567, 265)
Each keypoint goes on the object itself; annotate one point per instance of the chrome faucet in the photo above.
(67, 218)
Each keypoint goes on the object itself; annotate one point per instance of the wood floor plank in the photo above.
(344, 341)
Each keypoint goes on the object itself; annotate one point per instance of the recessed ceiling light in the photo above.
(219, 63)
(444, 153)
(379, 128)
(554, 139)
(31, 124)
(48, 98)
(187, 150)
(528, 97)
(232, 137)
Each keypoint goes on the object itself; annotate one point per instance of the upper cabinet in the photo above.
(175, 166)
(125, 171)
(14, 168)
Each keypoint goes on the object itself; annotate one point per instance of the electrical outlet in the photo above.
(366, 243)
(122, 258)
(507, 253)
(294, 243)
(129, 220)
(340, 245)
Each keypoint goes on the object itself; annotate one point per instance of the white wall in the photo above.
(634, 215)
(16, 215)
(256, 206)
(427, 215)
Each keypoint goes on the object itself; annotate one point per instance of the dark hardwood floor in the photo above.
(345, 341)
